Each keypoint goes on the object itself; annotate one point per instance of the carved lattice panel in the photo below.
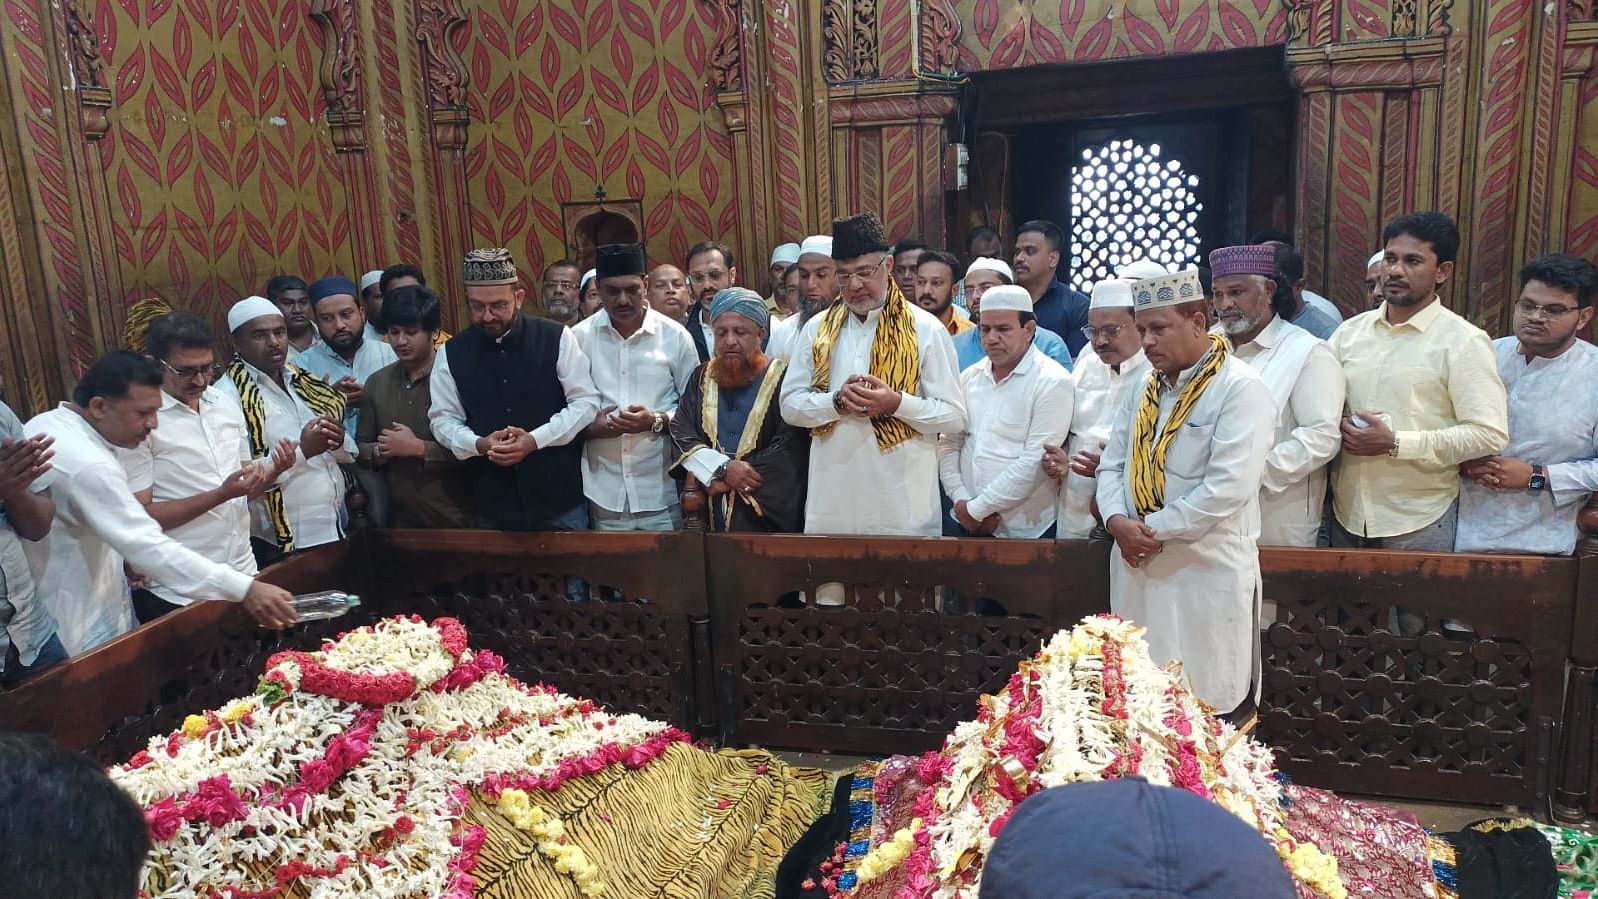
(1347, 695)
(626, 653)
(889, 672)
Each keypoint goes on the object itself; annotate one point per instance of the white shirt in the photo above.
(1100, 395)
(325, 362)
(1553, 421)
(855, 487)
(98, 525)
(313, 490)
(1199, 596)
(1308, 385)
(192, 452)
(1311, 298)
(447, 414)
(783, 333)
(997, 464)
(651, 368)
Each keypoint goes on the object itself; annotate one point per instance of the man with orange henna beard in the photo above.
(729, 432)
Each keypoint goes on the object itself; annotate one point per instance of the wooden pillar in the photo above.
(440, 29)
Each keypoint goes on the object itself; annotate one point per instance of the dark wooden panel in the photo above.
(109, 701)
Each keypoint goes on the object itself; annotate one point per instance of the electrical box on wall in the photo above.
(956, 161)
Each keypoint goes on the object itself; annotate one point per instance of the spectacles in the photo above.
(712, 275)
(205, 371)
(1108, 332)
(863, 277)
(1550, 311)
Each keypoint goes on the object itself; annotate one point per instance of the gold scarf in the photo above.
(322, 398)
(1146, 465)
(710, 412)
(895, 358)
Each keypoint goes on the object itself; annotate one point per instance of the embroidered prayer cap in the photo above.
(1127, 837)
(248, 310)
(989, 264)
(371, 279)
(1140, 269)
(785, 254)
(740, 301)
(487, 266)
(1249, 259)
(1111, 293)
(1380, 255)
(1006, 296)
(1167, 290)
(613, 260)
(817, 245)
(332, 286)
(588, 278)
(858, 235)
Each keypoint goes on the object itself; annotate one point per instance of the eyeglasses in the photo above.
(714, 274)
(1108, 332)
(205, 371)
(863, 277)
(1550, 311)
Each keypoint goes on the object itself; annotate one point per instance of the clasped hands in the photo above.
(507, 446)
(253, 478)
(1134, 538)
(1084, 463)
(1498, 472)
(740, 477)
(866, 396)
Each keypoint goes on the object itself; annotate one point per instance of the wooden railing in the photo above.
(720, 634)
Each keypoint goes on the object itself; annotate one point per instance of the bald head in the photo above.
(668, 292)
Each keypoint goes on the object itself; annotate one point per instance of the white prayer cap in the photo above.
(372, 277)
(1006, 296)
(787, 254)
(816, 244)
(1112, 293)
(989, 264)
(588, 277)
(1141, 269)
(1168, 290)
(248, 310)
(1380, 255)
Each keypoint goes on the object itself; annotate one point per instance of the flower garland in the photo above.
(1091, 705)
(373, 745)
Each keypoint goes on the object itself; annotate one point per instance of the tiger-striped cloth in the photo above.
(689, 825)
(1146, 462)
(140, 315)
(321, 397)
(895, 358)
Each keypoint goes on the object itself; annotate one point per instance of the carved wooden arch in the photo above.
(589, 225)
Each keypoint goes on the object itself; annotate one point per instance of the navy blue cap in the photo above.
(332, 286)
(1129, 839)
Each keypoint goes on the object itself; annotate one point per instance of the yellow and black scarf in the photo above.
(895, 358)
(321, 397)
(1146, 465)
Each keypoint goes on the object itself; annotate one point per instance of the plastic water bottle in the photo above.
(324, 604)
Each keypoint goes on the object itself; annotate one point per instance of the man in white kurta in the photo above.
(1186, 520)
(818, 290)
(1018, 402)
(1113, 365)
(873, 456)
(1305, 380)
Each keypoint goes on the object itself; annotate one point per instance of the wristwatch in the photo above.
(1393, 451)
(1539, 479)
(660, 423)
(721, 473)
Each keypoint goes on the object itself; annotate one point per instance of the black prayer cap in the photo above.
(615, 259)
(858, 235)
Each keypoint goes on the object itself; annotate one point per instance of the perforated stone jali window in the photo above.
(1128, 202)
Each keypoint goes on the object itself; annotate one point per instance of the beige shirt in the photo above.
(1437, 377)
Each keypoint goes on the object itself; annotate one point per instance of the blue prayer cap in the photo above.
(332, 286)
(740, 301)
(1126, 837)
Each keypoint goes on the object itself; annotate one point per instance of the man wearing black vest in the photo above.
(511, 394)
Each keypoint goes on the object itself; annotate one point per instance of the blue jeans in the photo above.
(15, 672)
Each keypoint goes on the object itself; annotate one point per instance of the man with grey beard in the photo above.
(818, 290)
(559, 292)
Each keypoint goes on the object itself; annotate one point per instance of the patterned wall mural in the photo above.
(190, 149)
(615, 93)
(218, 158)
